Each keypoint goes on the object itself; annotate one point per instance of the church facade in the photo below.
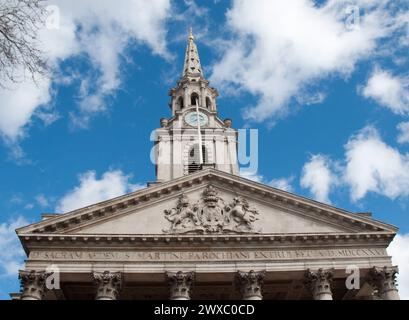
(201, 231)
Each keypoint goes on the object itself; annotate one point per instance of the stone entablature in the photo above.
(204, 256)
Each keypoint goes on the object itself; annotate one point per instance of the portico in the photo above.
(98, 257)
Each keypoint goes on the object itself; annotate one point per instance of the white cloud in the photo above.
(399, 251)
(106, 29)
(29, 206)
(283, 184)
(403, 136)
(404, 22)
(18, 104)
(42, 200)
(16, 199)
(254, 176)
(11, 252)
(280, 48)
(317, 176)
(374, 166)
(388, 90)
(369, 165)
(101, 31)
(93, 190)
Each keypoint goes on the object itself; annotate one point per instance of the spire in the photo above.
(192, 65)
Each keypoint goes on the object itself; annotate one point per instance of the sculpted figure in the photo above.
(183, 215)
(241, 213)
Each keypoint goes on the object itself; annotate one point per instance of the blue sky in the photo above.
(328, 92)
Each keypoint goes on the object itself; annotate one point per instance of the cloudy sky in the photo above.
(326, 83)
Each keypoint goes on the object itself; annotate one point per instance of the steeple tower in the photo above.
(192, 87)
(194, 137)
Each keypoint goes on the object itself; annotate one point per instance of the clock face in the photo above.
(191, 119)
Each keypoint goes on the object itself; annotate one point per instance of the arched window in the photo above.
(208, 103)
(194, 158)
(180, 103)
(193, 98)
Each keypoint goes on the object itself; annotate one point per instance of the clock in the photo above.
(191, 119)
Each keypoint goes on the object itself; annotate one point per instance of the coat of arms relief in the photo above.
(211, 214)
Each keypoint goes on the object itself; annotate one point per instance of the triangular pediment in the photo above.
(233, 205)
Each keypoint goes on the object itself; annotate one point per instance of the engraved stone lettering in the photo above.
(203, 256)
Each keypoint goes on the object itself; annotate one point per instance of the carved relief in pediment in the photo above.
(211, 214)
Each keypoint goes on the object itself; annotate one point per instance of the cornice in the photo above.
(296, 240)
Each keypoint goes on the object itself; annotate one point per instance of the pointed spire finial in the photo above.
(192, 65)
(191, 37)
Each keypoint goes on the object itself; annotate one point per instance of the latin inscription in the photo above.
(203, 256)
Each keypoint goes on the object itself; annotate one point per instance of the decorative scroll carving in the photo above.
(384, 280)
(180, 284)
(108, 285)
(33, 284)
(319, 283)
(250, 284)
(211, 215)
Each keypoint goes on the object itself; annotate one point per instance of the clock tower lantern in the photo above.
(194, 138)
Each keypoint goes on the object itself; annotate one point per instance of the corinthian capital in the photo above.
(319, 283)
(180, 284)
(250, 284)
(108, 285)
(384, 279)
(33, 284)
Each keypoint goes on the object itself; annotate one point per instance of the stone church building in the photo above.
(201, 231)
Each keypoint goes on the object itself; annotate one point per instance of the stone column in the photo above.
(33, 284)
(186, 97)
(250, 284)
(319, 283)
(108, 285)
(180, 284)
(174, 102)
(203, 96)
(384, 279)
